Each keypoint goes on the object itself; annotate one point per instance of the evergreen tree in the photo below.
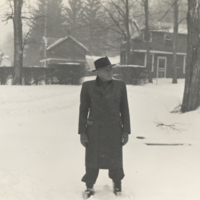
(74, 14)
(86, 22)
(95, 23)
(48, 20)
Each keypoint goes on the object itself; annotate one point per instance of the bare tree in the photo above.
(191, 98)
(18, 49)
(175, 41)
(15, 13)
(119, 13)
(147, 39)
(74, 14)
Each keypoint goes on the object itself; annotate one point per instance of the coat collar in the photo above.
(99, 83)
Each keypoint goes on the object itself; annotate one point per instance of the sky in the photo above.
(5, 27)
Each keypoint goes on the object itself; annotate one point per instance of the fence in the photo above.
(40, 75)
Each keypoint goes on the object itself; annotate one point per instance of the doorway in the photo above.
(161, 67)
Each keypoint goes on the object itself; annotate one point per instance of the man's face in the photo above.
(105, 73)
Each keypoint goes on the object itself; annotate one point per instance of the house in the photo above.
(66, 57)
(161, 50)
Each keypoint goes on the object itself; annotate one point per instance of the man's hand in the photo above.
(84, 139)
(124, 138)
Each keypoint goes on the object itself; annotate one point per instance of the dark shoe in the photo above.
(117, 189)
(117, 192)
(88, 193)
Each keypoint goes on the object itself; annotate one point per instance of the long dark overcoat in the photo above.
(104, 115)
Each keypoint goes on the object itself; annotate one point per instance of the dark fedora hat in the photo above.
(102, 63)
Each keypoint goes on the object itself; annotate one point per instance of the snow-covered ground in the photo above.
(41, 157)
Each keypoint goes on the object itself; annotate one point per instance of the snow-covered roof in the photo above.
(67, 60)
(170, 30)
(58, 41)
(69, 63)
(166, 27)
(33, 66)
(50, 40)
(123, 66)
(158, 52)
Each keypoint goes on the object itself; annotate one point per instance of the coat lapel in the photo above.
(109, 88)
(100, 89)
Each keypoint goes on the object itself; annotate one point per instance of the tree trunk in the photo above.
(191, 98)
(128, 46)
(174, 79)
(147, 40)
(18, 51)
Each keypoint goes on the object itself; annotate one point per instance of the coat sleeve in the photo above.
(124, 110)
(84, 108)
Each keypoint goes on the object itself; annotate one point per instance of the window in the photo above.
(168, 37)
(143, 37)
(161, 63)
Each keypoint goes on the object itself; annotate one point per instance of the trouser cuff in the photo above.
(89, 185)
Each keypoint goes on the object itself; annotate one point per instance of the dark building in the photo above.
(161, 50)
(67, 57)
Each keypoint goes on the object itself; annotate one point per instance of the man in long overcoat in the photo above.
(104, 125)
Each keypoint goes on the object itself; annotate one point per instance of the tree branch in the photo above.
(23, 17)
(8, 18)
(182, 20)
(114, 20)
(168, 10)
(120, 11)
(170, 126)
(25, 39)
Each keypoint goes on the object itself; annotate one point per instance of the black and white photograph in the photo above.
(99, 99)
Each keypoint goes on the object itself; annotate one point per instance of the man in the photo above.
(104, 126)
